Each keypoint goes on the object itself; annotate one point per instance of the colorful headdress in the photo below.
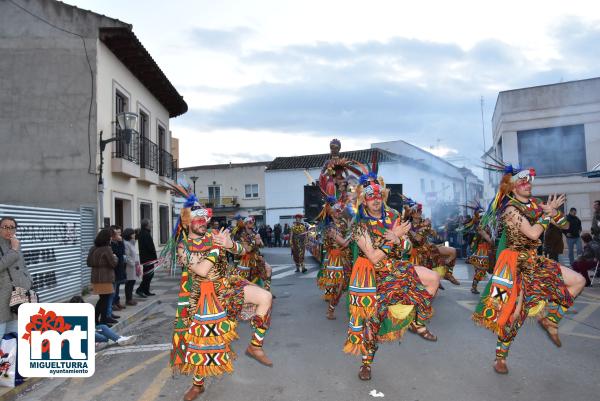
(249, 219)
(298, 216)
(510, 176)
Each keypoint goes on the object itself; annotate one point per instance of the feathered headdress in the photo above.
(191, 210)
(510, 176)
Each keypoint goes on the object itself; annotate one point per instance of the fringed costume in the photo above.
(387, 297)
(209, 306)
(481, 248)
(519, 272)
(251, 265)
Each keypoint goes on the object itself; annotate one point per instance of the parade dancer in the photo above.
(337, 262)
(298, 239)
(386, 294)
(252, 265)
(523, 283)
(481, 247)
(210, 300)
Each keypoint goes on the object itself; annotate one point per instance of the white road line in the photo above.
(136, 348)
(292, 271)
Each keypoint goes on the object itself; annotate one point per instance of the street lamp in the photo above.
(194, 178)
(126, 126)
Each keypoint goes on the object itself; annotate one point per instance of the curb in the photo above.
(31, 381)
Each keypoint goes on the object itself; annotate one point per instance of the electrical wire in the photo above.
(87, 57)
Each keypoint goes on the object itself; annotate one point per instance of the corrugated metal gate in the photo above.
(88, 233)
(52, 246)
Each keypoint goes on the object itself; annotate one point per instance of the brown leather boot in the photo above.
(451, 279)
(259, 354)
(551, 329)
(131, 302)
(193, 392)
(365, 372)
(500, 366)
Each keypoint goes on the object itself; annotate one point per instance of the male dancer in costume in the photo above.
(298, 239)
(252, 265)
(437, 257)
(386, 294)
(524, 283)
(337, 263)
(210, 300)
(481, 247)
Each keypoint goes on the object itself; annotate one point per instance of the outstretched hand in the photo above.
(554, 202)
(223, 239)
(401, 228)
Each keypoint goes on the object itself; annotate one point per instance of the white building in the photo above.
(429, 184)
(72, 71)
(437, 180)
(230, 189)
(556, 130)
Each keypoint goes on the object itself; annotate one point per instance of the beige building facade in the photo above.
(556, 130)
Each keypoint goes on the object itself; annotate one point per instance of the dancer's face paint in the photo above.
(523, 187)
(198, 226)
(374, 205)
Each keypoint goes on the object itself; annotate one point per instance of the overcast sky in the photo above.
(279, 78)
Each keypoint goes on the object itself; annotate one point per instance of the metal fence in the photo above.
(53, 242)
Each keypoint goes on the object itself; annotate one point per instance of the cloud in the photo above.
(410, 89)
(229, 41)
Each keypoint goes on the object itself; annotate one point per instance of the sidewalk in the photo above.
(163, 284)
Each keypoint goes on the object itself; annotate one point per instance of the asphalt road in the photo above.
(309, 363)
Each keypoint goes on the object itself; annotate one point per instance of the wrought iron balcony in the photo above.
(148, 154)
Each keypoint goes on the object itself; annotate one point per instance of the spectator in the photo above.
(596, 221)
(13, 272)
(215, 225)
(589, 257)
(103, 262)
(132, 265)
(573, 233)
(286, 235)
(104, 334)
(147, 259)
(277, 235)
(553, 242)
(269, 237)
(262, 231)
(118, 248)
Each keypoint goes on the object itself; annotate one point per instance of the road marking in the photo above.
(137, 348)
(119, 378)
(582, 315)
(158, 382)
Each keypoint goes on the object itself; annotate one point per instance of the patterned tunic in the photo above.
(337, 263)
(396, 284)
(520, 269)
(208, 310)
(251, 265)
(299, 233)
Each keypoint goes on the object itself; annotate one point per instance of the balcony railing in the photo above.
(223, 201)
(148, 154)
(128, 151)
(165, 165)
(145, 153)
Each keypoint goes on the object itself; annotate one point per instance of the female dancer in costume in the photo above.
(523, 283)
(386, 294)
(210, 300)
(252, 265)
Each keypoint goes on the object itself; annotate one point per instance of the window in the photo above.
(144, 131)
(432, 186)
(214, 194)
(422, 185)
(163, 216)
(538, 149)
(251, 191)
(145, 211)
(120, 103)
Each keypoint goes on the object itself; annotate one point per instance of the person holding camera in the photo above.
(13, 273)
